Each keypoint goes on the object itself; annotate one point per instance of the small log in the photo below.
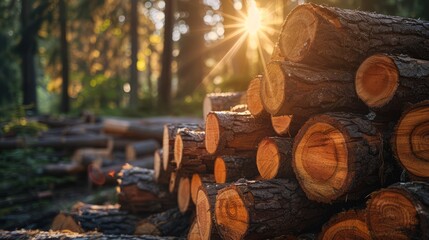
(197, 181)
(132, 130)
(254, 101)
(57, 142)
(265, 209)
(303, 90)
(337, 156)
(173, 184)
(342, 38)
(287, 125)
(140, 149)
(274, 158)
(184, 201)
(232, 168)
(205, 207)
(222, 101)
(160, 175)
(410, 141)
(61, 169)
(228, 133)
(167, 223)
(188, 144)
(400, 211)
(346, 225)
(386, 83)
(194, 231)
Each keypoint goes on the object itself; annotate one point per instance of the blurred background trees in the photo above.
(107, 55)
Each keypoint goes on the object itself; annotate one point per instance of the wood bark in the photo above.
(408, 142)
(274, 158)
(240, 108)
(140, 194)
(287, 125)
(265, 209)
(174, 182)
(188, 144)
(303, 90)
(232, 168)
(222, 101)
(197, 181)
(400, 211)
(337, 156)
(161, 176)
(140, 149)
(387, 83)
(132, 130)
(168, 223)
(58, 142)
(342, 38)
(229, 133)
(346, 225)
(254, 101)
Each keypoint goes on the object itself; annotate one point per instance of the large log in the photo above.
(161, 176)
(337, 156)
(274, 158)
(410, 140)
(303, 90)
(58, 142)
(194, 231)
(329, 36)
(254, 101)
(140, 149)
(265, 209)
(197, 181)
(232, 168)
(400, 211)
(228, 133)
(168, 223)
(386, 83)
(132, 130)
(184, 201)
(346, 225)
(222, 101)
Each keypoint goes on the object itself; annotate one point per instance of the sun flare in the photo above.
(253, 20)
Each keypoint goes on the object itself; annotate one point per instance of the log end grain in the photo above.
(178, 150)
(346, 225)
(220, 171)
(184, 194)
(254, 102)
(268, 159)
(273, 88)
(194, 231)
(377, 80)
(281, 124)
(204, 214)
(165, 147)
(212, 133)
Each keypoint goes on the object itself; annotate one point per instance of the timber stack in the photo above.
(340, 117)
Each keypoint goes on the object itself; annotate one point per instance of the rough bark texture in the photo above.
(274, 158)
(58, 142)
(254, 101)
(168, 223)
(132, 130)
(228, 133)
(303, 90)
(222, 101)
(265, 209)
(189, 144)
(232, 168)
(346, 225)
(161, 176)
(287, 125)
(400, 212)
(337, 156)
(139, 149)
(328, 36)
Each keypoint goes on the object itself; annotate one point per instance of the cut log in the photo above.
(334, 37)
(410, 141)
(287, 125)
(400, 211)
(228, 133)
(254, 101)
(240, 108)
(205, 207)
(161, 176)
(168, 223)
(140, 149)
(336, 156)
(346, 225)
(108, 219)
(197, 181)
(222, 101)
(184, 201)
(57, 142)
(174, 182)
(265, 209)
(140, 194)
(133, 130)
(277, 54)
(274, 158)
(189, 144)
(194, 231)
(86, 156)
(231, 168)
(302, 90)
(386, 83)
(168, 140)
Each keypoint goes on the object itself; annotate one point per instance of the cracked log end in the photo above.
(268, 159)
(212, 133)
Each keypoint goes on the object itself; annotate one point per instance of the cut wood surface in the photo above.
(140, 149)
(337, 156)
(232, 168)
(132, 129)
(168, 223)
(329, 36)
(197, 181)
(400, 211)
(184, 201)
(205, 210)
(386, 83)
(161, 176)
(222, 101)
(265, 209)
(189, 144)
(410, 141)
(303, 90)
(230, 132)
(274, 158)
(194, 231)
(57, 142)
(346, 225)
(287, 125)
(253, 96)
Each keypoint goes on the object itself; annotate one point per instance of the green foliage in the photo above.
(14, 123)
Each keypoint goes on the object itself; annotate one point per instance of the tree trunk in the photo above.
(228, 133)
(302, 90)
(132, 130)
(346, 225)
(222, 101)
(134, 84)
(337, 156)
(409, 142)
(197, 181)
(274, 158)
(387, 83)
(265, 209)
(232, 168)
(140, 149)
(254, 101)
(161, 176)
(184, 195)
(334, 37)
(400, 212)
(65, 103)
(168, 223)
